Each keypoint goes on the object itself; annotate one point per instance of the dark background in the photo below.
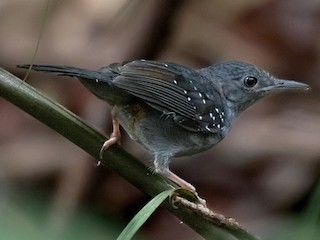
(262, 174)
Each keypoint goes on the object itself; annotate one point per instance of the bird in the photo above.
(174, 110)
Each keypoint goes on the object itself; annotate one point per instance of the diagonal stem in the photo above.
(207, 223)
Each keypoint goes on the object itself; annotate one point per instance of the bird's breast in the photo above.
(160, 133)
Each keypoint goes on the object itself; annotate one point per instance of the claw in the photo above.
(183, 184)
(114, 138)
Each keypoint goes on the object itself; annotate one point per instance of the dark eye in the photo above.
(250, 81)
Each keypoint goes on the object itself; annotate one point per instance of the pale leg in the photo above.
(114, 137)
(178, 180)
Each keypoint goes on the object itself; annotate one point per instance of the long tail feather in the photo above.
(65, 71)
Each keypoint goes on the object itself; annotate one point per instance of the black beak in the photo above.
(284, 85)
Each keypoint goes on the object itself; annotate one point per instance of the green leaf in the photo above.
(141, 217)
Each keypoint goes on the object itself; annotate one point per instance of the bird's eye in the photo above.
(250, 81)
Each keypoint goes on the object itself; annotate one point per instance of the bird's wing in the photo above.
(173, 90)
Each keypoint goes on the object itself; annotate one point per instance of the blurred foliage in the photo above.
(305, 225)
(259, 174)
(24, 216)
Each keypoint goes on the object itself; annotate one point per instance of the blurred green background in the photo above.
(263, 174)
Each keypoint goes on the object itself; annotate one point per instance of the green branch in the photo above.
(208, 224)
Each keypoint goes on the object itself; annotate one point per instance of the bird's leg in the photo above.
(114, 137)
(183, 184)
(161, 165)
(178, 180)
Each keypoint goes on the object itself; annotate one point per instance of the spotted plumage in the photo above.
(171, 89)
(173, 110)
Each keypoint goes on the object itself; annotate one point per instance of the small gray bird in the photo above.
(173, 110)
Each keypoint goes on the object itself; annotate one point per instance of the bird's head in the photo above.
(242, 83)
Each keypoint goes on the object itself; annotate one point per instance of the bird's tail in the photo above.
(65, 71)
(99, 82)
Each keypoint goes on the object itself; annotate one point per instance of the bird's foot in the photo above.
(114, 137)
(185, 185)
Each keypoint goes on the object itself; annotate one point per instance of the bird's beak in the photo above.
(283, 85)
